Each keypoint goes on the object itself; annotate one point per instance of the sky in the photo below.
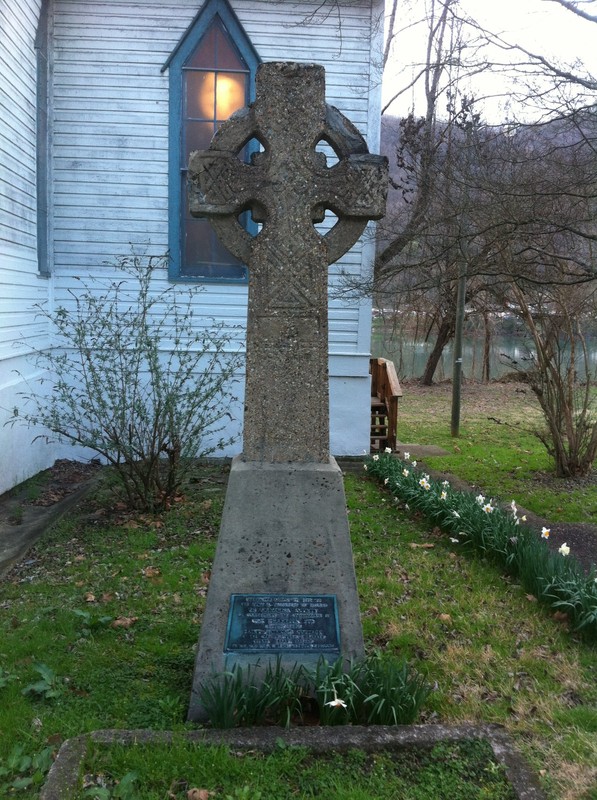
(539, 25)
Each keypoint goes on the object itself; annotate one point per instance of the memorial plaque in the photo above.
(283, 623)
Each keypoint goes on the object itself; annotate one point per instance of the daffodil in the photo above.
(388, 450)
(414, 463)
(443, 496)
(365, 467)
(456, 514)
(545, 533)
(455, 541)
(405, 472)
(564, 550)
(425, 483)
(487, 508)
(406, 456)
(375, 457)
(480, 499)
(445, 483)
(386, 480)
(337, 702)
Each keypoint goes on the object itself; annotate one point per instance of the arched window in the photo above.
(212, 74)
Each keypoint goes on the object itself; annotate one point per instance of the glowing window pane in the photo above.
(230, 93)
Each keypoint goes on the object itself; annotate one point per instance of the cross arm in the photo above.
(355, 187)
(355, 190)
(220, 184)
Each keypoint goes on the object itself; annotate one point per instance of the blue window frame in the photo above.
(212, 74)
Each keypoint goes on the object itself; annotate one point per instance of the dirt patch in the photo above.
(30, 509)
(63, 479)
(50, 486)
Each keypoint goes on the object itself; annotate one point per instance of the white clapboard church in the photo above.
(100, 103)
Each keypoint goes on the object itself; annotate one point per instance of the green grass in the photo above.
(496, 450)
(490, 652)
(450, 771)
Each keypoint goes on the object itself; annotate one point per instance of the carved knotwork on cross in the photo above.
(287, 188)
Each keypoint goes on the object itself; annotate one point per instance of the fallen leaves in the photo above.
(199, 794)
(560, 616)
(151, 572)
(124, 622)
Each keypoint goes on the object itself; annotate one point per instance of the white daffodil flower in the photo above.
(336, 703)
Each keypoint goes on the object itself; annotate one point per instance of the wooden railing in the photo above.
(385, 392)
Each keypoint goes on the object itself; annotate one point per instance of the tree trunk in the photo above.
(444, 334)
(485, 370)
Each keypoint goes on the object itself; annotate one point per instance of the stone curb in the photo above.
(64, 773)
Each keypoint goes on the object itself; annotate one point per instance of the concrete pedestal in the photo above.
(284, 531)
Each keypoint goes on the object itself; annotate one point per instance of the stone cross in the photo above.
(287, 187)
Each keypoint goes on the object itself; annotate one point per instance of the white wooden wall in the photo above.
(21, 287)
(109, 133)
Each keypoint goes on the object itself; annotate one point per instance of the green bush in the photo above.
(137, 378)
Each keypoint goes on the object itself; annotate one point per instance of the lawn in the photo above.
(99, 625)
(497, 450)
(451, 771)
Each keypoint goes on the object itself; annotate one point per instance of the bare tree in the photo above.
(515, 204)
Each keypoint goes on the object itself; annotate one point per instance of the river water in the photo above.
(410, 356)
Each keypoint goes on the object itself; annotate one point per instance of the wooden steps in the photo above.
(385, 392)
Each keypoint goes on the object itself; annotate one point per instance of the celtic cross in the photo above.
(287, 187)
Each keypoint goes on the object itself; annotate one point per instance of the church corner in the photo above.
(100, 112)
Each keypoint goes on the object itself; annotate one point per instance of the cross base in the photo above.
(284, 532)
